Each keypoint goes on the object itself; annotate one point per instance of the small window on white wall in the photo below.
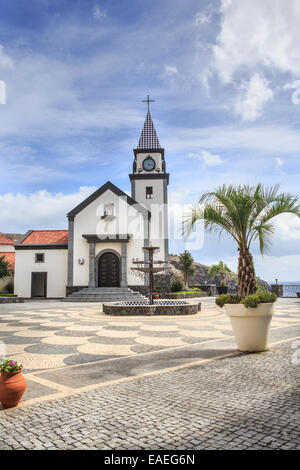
(108, 209)
(149, 192)
(108, 212)
(40, 257)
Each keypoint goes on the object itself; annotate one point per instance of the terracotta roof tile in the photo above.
(46, 237)
(6, 241)
(10, 257)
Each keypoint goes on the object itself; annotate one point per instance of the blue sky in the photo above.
(223, 74)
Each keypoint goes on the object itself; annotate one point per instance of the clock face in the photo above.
(149, 164)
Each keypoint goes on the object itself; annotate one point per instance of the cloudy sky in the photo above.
(225, 75)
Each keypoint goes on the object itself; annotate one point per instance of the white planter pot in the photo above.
(250, 325)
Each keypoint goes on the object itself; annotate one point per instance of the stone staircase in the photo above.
(105, 294)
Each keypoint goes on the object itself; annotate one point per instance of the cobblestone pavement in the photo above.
(48, 335)
(249, 401)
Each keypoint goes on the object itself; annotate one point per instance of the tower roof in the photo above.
(148, 139)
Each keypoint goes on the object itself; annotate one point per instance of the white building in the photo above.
(106, 234)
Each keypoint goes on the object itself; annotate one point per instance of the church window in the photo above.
(108, 209)
(149, 192)
(108, 212)
(40, 257)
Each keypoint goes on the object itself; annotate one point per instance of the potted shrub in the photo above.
(221, 269)
(245, 213)
(12, 383)
(250, 318)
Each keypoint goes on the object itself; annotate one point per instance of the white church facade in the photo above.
(106, 233)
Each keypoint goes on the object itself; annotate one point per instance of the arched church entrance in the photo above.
(109, 270)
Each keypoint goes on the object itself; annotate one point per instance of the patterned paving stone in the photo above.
(162, 334)
(24, 328)
(157, 341)
(74, 333)
(108, 340)
(21, 340)
(50, 349)
(82, 358)
(105, 349)
(145, 348)
(64, 340)
(117, 333)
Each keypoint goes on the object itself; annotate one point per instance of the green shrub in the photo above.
(177, 285)
(10, 287)
(251, 301)
(223, 299)
(261, 297)
(266, 296)
(157, 288)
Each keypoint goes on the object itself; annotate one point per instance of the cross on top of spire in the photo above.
(148, 101)
(148, 139)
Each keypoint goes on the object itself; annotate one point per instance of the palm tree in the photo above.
(222, 270)
(4, 268)
(243, 212)
(186, 265)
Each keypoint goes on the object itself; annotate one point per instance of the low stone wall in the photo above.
(190, 295)
(11, 300)
(148, 310)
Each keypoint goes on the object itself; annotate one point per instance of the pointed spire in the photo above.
(148, 139)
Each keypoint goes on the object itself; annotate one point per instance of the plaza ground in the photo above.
(149, 383)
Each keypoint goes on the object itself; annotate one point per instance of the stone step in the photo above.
(101, 299)
(105, 294)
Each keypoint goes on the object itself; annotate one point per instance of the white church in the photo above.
(92, 260)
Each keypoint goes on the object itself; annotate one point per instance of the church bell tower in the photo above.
(149, 183)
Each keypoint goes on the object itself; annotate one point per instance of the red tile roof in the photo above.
(10, 257)
(6, 241)
(46, 237)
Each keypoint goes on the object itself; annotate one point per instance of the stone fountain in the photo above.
(159, 307)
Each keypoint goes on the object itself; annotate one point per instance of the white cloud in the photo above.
(170, 73)
(5, 61)
(39, 210)
(279, 162)
(257, 33)
(288, 228)
(207, 158)
(202, 18)
(254, 95)
(98, 14)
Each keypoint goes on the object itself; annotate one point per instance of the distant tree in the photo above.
(186, 266)
(221, 269)
(4, 268)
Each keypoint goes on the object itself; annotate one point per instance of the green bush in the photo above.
(223, 299)
(10, 287)
(260, 298)
(266, 296)
(177, 285)
(252, 300)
